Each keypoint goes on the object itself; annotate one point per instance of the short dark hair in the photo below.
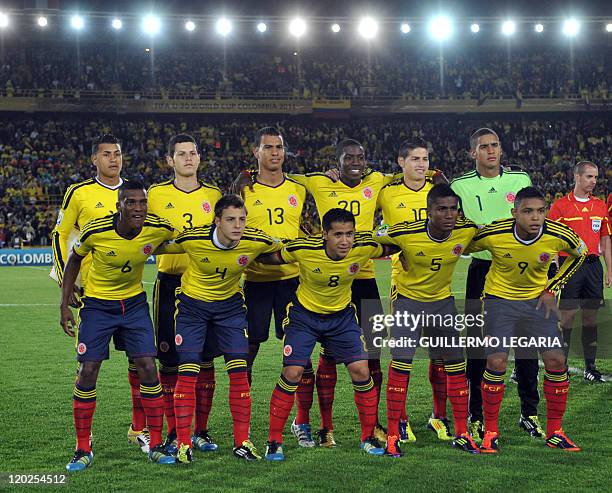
(527, 193)
(337, 215)
(227, 201)
(130, 185)
(479, 133)
(273, 131)
(411, 145)
(343, 144)
(440, 191)
(582, 165)
(179, 139)
(103, 139)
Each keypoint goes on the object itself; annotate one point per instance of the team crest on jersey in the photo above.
(457, 249)
(510, 197)
(178, 339)
(367, 193)
(81, 348)
(287, 350)
(148, 249)
(243, 260)
(596, 225)
(544, 257)
(164, 346)
(293, 201)
(353, 268)
(206, 207)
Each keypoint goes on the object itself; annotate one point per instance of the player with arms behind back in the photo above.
(114, 301)
(185, 202)
(518, 292)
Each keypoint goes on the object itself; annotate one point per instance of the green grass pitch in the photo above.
(36, 377)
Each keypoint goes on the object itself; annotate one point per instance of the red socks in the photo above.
(139, 421)
(437, 378)
(239, 399)
(556, 386)
(168, 382)
(184, 401)
(397, 389)
(83, 406)
(326, 384)
(458, 394)
(153, 405)
(204, 392)
(377, 378)
(365, 400)
(492, 387)
(280, 407)
(304, 395)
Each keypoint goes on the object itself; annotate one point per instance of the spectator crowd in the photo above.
(40, 157)
(402, 72)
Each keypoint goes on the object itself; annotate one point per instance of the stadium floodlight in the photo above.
(405, 28)
(609, 27)
(571, 27)
(224, 26)
(77, 22)
(42, 21)
(297, 27)
(335, 28)
(190, 26)
(475, 28)
(368, 28)
(508, 28)
(4, 20)
(440, 27)
(262, 27)
(117, 24)
(151, 25)
(539, 28)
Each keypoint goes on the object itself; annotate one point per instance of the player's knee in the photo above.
(497, 363)
(554, 361)
(359, 371)
(293, 373)
(88, 373)
(146, 368)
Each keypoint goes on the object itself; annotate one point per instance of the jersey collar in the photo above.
(530, 242)
(215, 241)
(501, 172)
(116, 187)
(431, 237)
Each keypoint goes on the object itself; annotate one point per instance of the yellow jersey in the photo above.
(400, 203)
(520, 268)
(325, 284)
(83, 202)
(361, 200)
(213, 273)
(117, 263)
(431, 261)
(184, 210)
(278, 212)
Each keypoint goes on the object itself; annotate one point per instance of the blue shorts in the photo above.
(196, 321)
(435, 327)
(128, 319)
(504, 319)
(338, 332)
(164, 306)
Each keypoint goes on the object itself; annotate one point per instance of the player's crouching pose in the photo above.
(431, 250)
(518, 293)
(210, 304)
(322, 311)
(115, 301)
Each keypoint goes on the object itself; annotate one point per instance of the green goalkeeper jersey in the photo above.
(484, 200)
